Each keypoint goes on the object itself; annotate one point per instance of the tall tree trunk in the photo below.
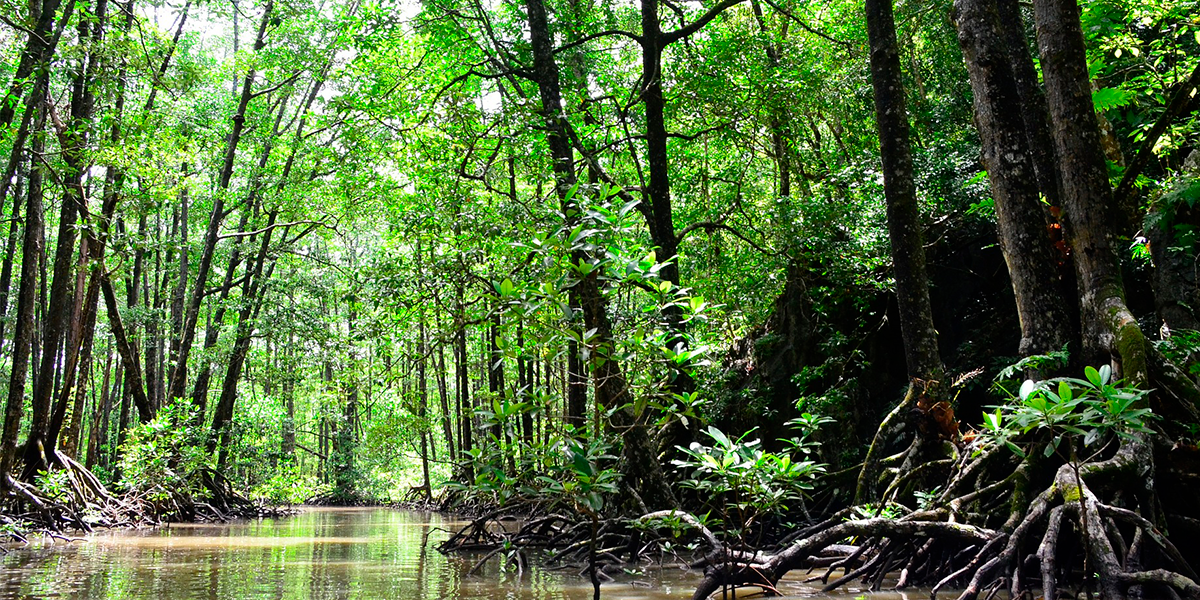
(641, 466)
(921, 355)
(288, 443)
(73, 136)
(23, 335)
(251, 290)
(10, 252)
(1041, 307)
(1110, 331)
(903, 214)
(178, 378)
(99, 419)
(462, 385)
(423, 399)
(494, 359)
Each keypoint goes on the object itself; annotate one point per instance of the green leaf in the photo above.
(1064, 391)
(1110, 98)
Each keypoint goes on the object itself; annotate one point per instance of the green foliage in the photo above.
(165, 457)
(1182, 348)
(289, 484)
(1092, 410)
(739, 476)
(1045, 363)
(55, 484)
(585, 478)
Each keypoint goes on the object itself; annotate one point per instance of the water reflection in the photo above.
(320, 554)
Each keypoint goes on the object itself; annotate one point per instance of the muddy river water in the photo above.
(319, 554)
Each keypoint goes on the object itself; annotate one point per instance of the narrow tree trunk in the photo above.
(178, 377)
(23, 335)
(444, 399)
(641, 467)
(73, 137)
(462, 383)
(903, 213)
(99, 420)
(39, 47)
(10, 252)
(223, 414)
(423, 400)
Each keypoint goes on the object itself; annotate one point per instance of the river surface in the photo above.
(319, 554)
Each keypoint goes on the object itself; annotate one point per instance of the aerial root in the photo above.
(936, 548)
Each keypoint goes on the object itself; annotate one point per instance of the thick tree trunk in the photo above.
(1011, 171)
(1110, 331)
(921, 354)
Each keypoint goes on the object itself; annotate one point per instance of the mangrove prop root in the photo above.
(943, 546)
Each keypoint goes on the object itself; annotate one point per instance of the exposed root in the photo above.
(951, 546)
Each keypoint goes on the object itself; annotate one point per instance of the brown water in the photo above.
(320, 554)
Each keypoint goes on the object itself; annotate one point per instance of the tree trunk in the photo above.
(423, 400)
(10, 252)
(23, 335)
(903, 214)
(641, 467)
(251, 290)
(1041, 308)
(1033, 109)
(73, 137)
(921, 355)
(39, 47)
(1110, 332)
(462, 385)
(178, 377)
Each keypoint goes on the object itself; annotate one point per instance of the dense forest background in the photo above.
(352, 251)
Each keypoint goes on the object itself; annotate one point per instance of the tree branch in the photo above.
(1178, 102)
(595, 36)
(674, 36)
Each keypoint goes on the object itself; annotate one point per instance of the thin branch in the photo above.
(1178, 102)
(242, 234)
(17, 26)
(287, 81)
(710, 226)
(807, 27)
(595, 36)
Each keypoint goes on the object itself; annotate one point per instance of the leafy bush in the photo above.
(1094, 409)
(289, 485)
(739, 474)
(165, 457)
